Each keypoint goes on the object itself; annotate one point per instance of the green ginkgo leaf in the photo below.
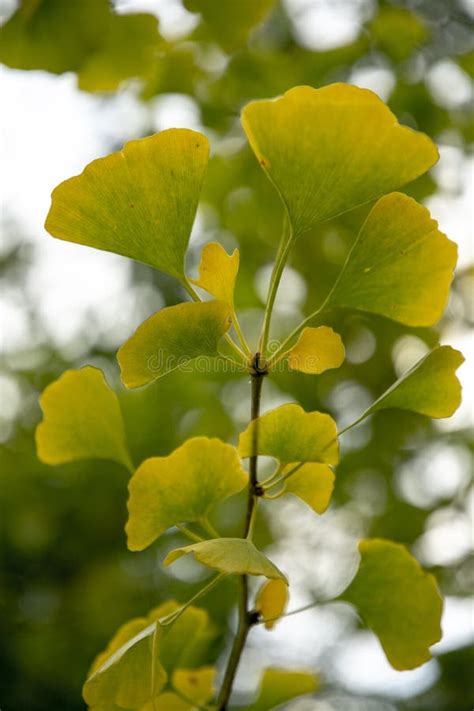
(312, 483)
(329, 150)
(168, 701)
(280, 685)
(181, 488)
(401, 266)
(229, 555)
(139, 202)
(430, 388)
(122, 674)
(398, 600)
(218, 272)
(290, 434)
(171, 339)
(317, 349)
(81, 420)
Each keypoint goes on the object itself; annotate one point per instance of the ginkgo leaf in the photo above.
(229, 555)
(280, 685)
(171, 339)
(317, 350)
(122, 674)
(290, 434)
(218, 272)
(196, 685)
(81, 420)
(401, 266)
(398, 600)
(329, 150)
(271, 601)
(139, 202)
(166, 702)
(180, 488)
(313, 483)
(230, 22)
(430, 388)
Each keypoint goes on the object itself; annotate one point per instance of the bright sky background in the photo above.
(50, 130)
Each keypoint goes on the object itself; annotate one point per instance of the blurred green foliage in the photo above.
(67, 579)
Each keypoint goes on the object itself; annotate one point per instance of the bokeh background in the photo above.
(77, 84)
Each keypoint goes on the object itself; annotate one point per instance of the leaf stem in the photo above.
(285, 246)
(187, 532)
(246, 619)
(283, 349)
(173, 616)
(289, 614)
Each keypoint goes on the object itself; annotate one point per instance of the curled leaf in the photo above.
(271, 601)
(329, 150)
(401, 266)
(317, 350)
(139, 202)
(229, 555)
(182, 487)
(398, 600)
(81, 420)
(290, 434)
(218, 272)
(173, 338)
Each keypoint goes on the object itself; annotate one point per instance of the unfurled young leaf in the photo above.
(290, 434)
(317, 350)
(122, 674)
(280, 685)
(312, 483)
(430, 388)
(401, 266)
(271, 601)
(196, 685)
(180, 488)
(329, 150)
(398, 600)
(229, 555)
(139, 202)
(81, 420)
(173, 338)
(218, 272)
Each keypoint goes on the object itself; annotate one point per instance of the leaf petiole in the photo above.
(173, 616)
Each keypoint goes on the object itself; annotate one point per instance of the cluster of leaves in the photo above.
(326, 152)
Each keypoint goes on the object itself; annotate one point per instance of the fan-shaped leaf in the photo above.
(290, 434)
(279, 686)
(329, 150)
(81, 420)
(172, 338)
(271, 601)
(183, 487)
(401, 265)
(139, 202)
(312, 483)
(398, 600)
(218, 272)
(317, 350)
(196, 685)
(229, 555)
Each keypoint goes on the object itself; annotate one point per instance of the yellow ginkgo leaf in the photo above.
(172, 338)
(229, 555)
(139, 202)
(290, 434)
(181, 488)
(271, 601)
(218, 272)
(313, 483)
(329, 150)
(401, 266)
(317, 350)
(81, 420)
(196, 685)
